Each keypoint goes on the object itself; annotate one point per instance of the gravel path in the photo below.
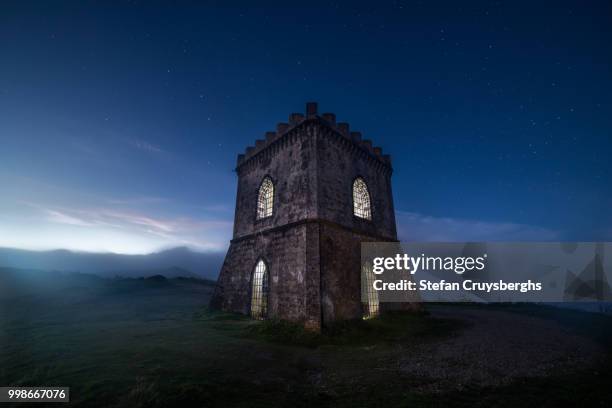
(495, 348)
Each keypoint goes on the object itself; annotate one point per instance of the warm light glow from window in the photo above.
(259, 293)
(265, 199)
(371, 307)
(361, 199)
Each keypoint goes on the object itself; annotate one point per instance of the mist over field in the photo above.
(180, 261)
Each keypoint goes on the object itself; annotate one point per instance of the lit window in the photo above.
(265, 199)
(371, 307)
(361, 199)
(259, 292)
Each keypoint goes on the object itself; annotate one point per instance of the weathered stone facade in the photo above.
(311, 243)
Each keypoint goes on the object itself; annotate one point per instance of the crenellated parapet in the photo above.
(297, 122)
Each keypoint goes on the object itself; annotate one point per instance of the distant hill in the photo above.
(170, 263)
(50, 287)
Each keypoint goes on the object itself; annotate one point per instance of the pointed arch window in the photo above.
(259, 291)
(362, 207)
(371, 306)
(265, 198)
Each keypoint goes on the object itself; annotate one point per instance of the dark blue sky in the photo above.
(120, 124)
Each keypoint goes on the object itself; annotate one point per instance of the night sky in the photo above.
(120, 124)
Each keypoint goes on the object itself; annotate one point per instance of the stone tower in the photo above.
(308, 195)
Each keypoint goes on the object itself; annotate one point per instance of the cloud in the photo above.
(139, 200)
(135, 219)
(61, 218)
(419, 227)
(116, 230)
(146, 146)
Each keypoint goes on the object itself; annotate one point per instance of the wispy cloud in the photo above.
(419, 227)
(62, 218)
(202, 234)
(137, 200)
(134, 219)
(146, 146)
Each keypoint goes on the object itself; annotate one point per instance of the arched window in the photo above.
(361, 199)
(259, 291)
(370, 295)
(265, 199)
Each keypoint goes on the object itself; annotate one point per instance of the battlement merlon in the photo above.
(297, 120)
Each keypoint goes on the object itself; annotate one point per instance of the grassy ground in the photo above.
(151, 343)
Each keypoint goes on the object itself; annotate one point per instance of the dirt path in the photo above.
(495, 348)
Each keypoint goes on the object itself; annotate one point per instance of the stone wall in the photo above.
(291, 256)
(291, 166)
(339, 162)
(341, 272)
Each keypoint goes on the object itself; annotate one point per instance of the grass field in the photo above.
(153, 342)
